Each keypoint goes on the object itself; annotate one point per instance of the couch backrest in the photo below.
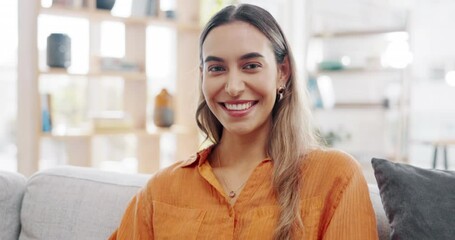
(75, 203)
(82, 203)
(12, 186)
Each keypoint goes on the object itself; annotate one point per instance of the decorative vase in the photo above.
(163, 113)
(58, 50)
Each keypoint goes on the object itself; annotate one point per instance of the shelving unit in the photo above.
(369, 101)
(136, 98)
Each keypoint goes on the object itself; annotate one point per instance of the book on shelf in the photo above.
(118, 64)
(46, 112)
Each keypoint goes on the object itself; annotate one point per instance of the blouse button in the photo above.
(231, 212)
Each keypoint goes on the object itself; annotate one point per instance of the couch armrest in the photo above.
(12, 187)
(76, 203)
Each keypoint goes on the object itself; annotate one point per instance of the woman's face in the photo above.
(240, 77)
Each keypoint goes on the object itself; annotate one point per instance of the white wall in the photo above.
(8, 85)
(432, 114)
(432, 27)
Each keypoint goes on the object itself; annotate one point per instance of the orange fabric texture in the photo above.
(186, 201)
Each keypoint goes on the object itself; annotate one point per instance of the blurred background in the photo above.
(114, 84)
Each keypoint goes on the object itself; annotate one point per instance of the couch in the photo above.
(75, 203)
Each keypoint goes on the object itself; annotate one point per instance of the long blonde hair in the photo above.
(292, 134)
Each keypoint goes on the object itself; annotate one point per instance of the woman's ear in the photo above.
(284, 71)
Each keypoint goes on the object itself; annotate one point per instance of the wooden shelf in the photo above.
(104, 15)
(81, 133)
(138, 76)
(67, 12)
(194, 27)
(434, 142)
(356, 33)
(358, 71)
(361, 106)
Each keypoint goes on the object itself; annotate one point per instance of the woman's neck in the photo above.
(242, 150)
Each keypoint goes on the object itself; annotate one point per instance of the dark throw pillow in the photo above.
(419, 203)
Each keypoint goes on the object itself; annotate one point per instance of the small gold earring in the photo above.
(280, 92)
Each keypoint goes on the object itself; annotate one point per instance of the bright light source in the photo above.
(166, 5)
(345, 60)
(46, 3)
(161, 58)
(315, 55)
(326, 90)
(397, 55)
(450, 78)
(112, 39)
(122, 8)
(397, 36)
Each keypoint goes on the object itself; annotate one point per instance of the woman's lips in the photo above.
(238, 108)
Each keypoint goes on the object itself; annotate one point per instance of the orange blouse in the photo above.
(186, 201)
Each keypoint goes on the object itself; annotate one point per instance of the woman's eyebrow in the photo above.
(243, 57)
(213, 58)
(251, 55)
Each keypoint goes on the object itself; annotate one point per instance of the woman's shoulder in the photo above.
(327, 171)
(330, 156)
(174, 170)
(179, 174)
(330, 162)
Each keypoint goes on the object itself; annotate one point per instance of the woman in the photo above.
(265, 176)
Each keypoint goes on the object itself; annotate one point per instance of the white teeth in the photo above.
(238, 107)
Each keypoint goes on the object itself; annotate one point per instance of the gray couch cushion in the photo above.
(12, 186)
(419, 203)
(76, 203)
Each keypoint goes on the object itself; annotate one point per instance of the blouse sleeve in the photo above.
(137, 219)
(353, 217)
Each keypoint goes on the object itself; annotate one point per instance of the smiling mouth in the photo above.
(239, 106)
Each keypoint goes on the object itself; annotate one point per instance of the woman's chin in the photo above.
(239, 130)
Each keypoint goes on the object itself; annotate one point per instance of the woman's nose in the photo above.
(234, 85)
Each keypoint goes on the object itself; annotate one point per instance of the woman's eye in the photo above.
(215, 69)
(252, 66)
